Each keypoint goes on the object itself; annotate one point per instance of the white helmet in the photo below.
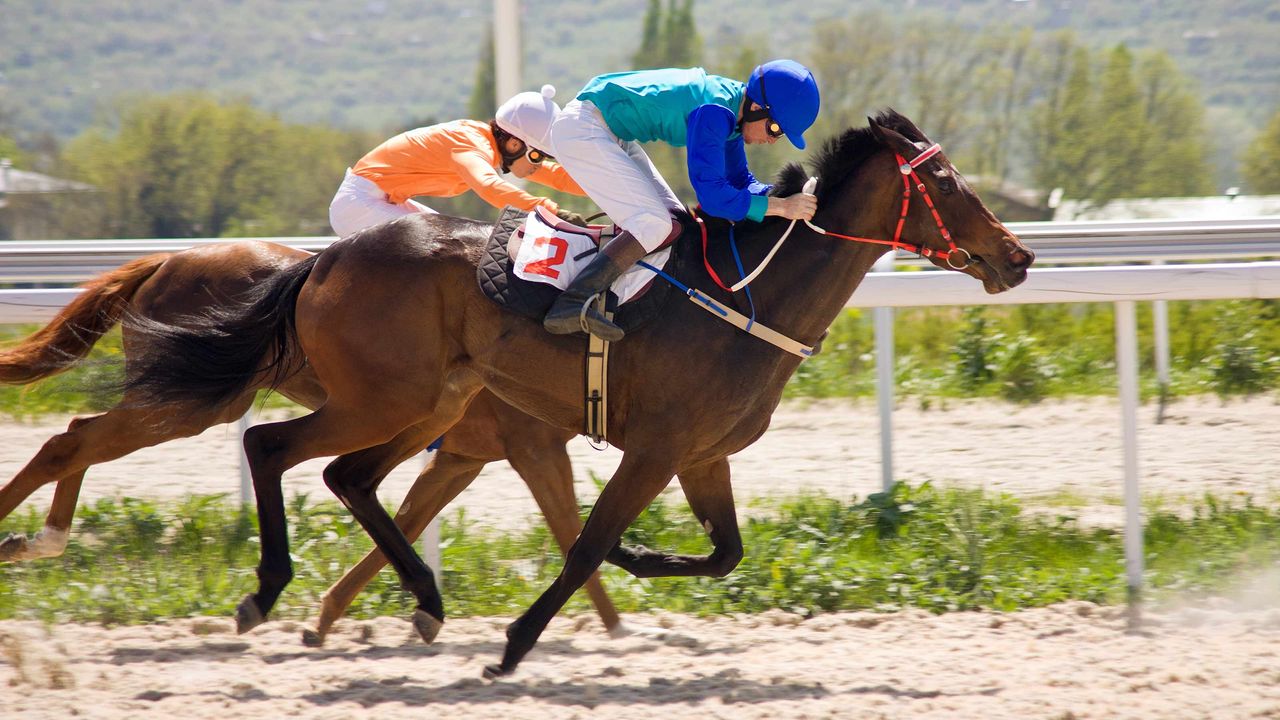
(528, 116)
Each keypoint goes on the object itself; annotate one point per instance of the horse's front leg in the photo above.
(711, 497)
(636, 483)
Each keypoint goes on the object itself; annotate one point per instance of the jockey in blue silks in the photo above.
(597, 139)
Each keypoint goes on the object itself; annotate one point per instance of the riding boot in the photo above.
(574, 310)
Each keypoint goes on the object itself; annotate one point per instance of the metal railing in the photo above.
(74, 261)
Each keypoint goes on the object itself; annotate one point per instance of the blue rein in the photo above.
(696, 295)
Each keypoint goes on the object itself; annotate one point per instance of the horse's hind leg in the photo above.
(710, 497)
(336, 429)
(547, 471)
(65, 457)
(49, 465)
(357, 490)
(436, 486)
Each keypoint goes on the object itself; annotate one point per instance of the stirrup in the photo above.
(582, 313)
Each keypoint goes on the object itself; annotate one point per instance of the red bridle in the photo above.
(908, 170)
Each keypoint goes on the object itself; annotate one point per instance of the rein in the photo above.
(908, 170)
(749, 324)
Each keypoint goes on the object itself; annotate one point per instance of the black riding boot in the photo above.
(571, 312)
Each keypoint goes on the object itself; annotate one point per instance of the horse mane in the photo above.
(841, 155)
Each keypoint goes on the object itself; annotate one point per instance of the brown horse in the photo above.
(392, 323)
(167, 287)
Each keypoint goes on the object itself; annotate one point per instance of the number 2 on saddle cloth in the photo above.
(553, 251)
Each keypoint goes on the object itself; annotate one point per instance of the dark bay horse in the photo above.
(393, 325)
(167, 287)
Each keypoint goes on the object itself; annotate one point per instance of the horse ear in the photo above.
(895, 140)
(875, 128)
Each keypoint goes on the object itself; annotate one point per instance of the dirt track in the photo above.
(1057, 452)
(1069, 661)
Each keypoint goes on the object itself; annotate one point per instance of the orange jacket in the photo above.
(450, 158)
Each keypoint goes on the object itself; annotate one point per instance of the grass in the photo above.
(1020, 353)
(132, 561)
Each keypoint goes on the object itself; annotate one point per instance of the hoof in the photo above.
(11, 546)
(648, 632)
(248, 616)
(427, 626)
(312, 638)
(492, 672)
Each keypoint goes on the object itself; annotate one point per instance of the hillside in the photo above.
(384, 64)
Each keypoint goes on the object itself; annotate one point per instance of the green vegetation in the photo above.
(1057, 96)
(1022, 353)
(1028, 352)
(380, 65)
(132, 561)
(1262, 160)
(187, 166)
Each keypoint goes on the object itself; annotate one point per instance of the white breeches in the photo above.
(616, 174)
(360, 203)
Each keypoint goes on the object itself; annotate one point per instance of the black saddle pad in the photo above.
(533, 299)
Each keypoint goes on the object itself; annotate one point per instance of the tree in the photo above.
(1120, 132)
(681, 42)
(483, 103)
(189, 166)
(855, 78)
(1133, 129)
(1004, 84)
(1261, 162)
(669, 38)
(1176, 153)
(1060, 124)
(9, 151)
(650, 52)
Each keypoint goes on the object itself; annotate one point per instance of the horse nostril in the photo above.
(1020, 257)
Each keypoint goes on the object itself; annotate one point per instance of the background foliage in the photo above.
(969, 71)
(1018, 353)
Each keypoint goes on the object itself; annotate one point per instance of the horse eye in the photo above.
(946, 186)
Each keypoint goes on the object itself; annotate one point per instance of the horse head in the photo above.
(947, 223)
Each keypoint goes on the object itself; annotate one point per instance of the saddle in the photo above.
(501, 283)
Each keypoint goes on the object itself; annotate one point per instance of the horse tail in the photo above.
(216, 356)
(67, 339)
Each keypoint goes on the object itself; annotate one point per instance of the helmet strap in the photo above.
(752, 114)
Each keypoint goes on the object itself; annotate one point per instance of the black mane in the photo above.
(842, 154)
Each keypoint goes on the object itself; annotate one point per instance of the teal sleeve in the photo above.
(759, 203)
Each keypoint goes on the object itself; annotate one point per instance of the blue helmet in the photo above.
(787, 91)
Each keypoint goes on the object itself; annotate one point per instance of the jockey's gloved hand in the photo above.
(570, 216)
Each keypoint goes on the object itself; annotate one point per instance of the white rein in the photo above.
(809, 186)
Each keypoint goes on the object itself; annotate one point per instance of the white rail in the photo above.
(74, 261)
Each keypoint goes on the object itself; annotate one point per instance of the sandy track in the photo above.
(1069, 661)
(1072, 661)
(1055, 452)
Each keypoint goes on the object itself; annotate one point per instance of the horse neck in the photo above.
(813, 276)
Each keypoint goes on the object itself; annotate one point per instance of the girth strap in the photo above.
(597, 383)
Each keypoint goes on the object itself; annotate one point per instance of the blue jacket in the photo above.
(691, 108)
